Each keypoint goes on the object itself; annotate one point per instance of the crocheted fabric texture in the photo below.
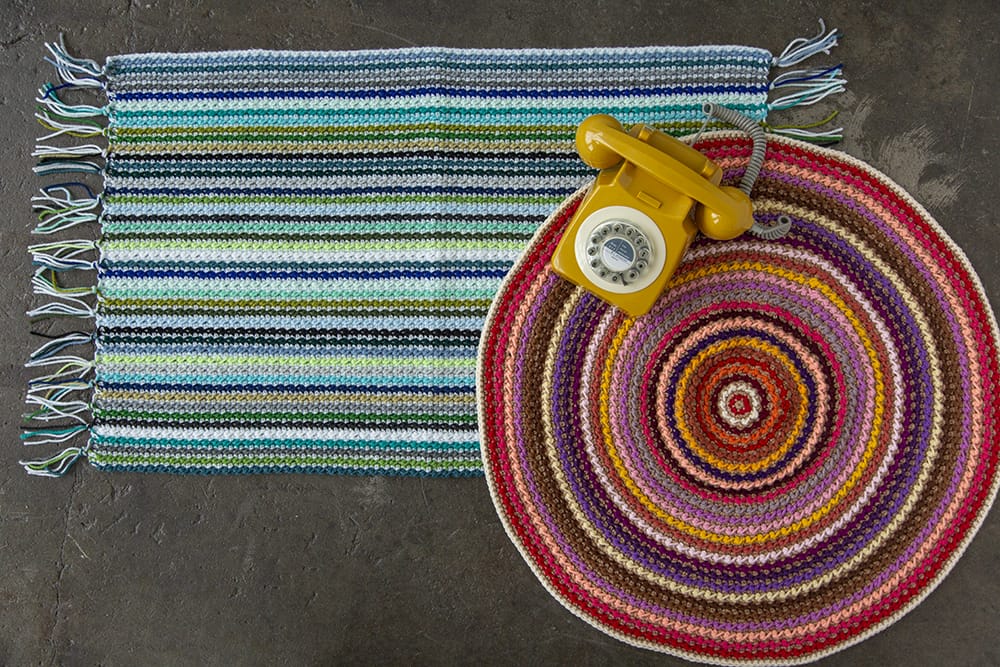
(786, 455)
(298, 250)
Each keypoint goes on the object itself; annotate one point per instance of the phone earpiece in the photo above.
(724, 228)
(592, 150)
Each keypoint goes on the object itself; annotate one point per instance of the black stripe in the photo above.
(332, 236)
(286, 331)
(248, 217)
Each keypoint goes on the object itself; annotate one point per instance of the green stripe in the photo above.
(476, 309)
(305, 417)
(181, 360)
(113, 229)
(379, 294)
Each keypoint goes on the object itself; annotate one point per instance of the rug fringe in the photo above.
(55, 408)
(78, 72)
(55, 466)
(68, 152)
(58, 209)
(64, 255)
(60, 398)
(808, 86)
(806, 131)
(802, 48)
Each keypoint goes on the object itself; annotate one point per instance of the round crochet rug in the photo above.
(783, 457)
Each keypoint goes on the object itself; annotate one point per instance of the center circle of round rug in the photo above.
(784, 456)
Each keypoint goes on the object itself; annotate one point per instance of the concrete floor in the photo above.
(123, 569)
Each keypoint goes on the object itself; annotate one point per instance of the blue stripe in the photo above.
(450, 92)
(280, 274)
(320, 192)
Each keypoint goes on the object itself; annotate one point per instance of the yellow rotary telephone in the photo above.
(653, 195)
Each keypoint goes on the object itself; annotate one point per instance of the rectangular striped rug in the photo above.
(297, 250)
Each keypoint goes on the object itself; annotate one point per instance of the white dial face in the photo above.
(619, 252)
(620, 249)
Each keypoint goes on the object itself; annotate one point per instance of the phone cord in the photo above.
(765, 231)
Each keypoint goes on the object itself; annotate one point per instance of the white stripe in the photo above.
(430, 287)
(330, 58)
(495, 106)
(500, 205)
(289, 256)
(269, 321)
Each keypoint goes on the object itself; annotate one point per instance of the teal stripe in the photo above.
(211, 113)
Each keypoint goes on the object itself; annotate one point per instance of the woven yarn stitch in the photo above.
(784, 456)
(299, 249)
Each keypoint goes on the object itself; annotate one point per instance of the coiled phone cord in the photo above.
(769, 232)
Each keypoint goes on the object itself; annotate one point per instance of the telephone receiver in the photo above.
(651, 198)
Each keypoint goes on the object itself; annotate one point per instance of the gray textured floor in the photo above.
(125, 569)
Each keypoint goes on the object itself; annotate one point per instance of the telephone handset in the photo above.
(653, 195)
